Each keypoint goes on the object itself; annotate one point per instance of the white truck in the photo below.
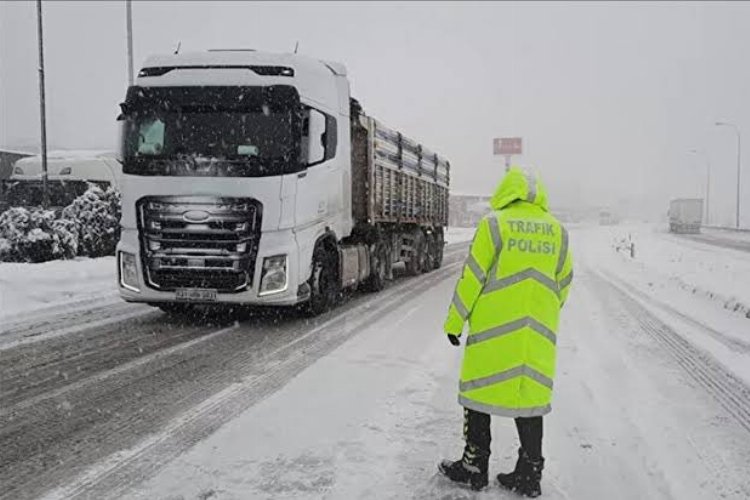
(254, 178)
(68, 175)
(686, 215)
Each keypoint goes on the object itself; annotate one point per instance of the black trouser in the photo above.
(477, 432)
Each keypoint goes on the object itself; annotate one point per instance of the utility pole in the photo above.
(42, 110)
(739, 168)
(129, 29)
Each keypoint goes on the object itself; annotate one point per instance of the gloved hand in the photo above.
(453, 339)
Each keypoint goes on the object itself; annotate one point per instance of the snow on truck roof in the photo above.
(314, 79)
(244, 58)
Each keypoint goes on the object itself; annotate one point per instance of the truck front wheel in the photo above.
(324, 281)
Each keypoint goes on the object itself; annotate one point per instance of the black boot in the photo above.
(471, 469)
(510, 479)
(526, 478)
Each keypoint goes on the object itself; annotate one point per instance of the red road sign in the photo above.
(508, 146)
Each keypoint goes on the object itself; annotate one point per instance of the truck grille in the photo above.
(199, 242)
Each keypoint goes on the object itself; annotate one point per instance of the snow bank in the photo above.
(700, 290)
(718, 274)
(28, 287)
(743, 235)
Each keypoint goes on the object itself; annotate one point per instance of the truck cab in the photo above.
(237, 183)
(234, 164)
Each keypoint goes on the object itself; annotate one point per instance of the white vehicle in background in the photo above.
(686, 215)
(608, 218)
(68, 175)
(254, 178)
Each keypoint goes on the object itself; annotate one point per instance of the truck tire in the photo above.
(417, 260)
(437, 250)
(428, 263)
(324, 282)
(379, 268)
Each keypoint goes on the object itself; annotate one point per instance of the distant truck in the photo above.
(68, 175)
(686, 215)
(255, 179)
(608, 218)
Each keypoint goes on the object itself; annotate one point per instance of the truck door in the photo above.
(318, 184)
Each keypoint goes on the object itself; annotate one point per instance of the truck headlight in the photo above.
(128, 271)
(273, 278)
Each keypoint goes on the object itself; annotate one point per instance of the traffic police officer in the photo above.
(515, 280)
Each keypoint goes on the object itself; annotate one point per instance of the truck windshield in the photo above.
(186, 132)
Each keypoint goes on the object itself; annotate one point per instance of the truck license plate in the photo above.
(196, 295)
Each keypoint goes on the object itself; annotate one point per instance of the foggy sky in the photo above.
(608, 97)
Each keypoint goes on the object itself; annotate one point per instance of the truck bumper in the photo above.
(272, 243)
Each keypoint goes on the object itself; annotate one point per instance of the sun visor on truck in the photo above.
(197, 99)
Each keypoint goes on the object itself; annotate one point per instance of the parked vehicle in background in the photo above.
(608, 218)
(255, 178)
(7, 159)
(68, 176)
(686, 215)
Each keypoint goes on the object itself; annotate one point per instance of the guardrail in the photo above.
(728, 229)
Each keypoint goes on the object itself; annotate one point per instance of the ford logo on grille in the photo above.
(196, 216)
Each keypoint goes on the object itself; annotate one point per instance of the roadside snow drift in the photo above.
(26, 288)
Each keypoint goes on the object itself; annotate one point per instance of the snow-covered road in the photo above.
(635, 416)
(651, 401)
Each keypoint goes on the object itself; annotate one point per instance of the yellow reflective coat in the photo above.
(515, 280)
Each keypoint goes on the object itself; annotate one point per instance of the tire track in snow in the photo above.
(726, 388)
(65, 431)
(116, 474)
(40, 330)
(49, 313)
(733, 343)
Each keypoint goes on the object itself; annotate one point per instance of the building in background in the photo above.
(465, 210)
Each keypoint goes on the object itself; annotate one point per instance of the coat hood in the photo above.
(519, 185)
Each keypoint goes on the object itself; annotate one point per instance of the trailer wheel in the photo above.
(379, 268)
(418, 259)
(439, 248)
(324, 283)
(434, 251)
